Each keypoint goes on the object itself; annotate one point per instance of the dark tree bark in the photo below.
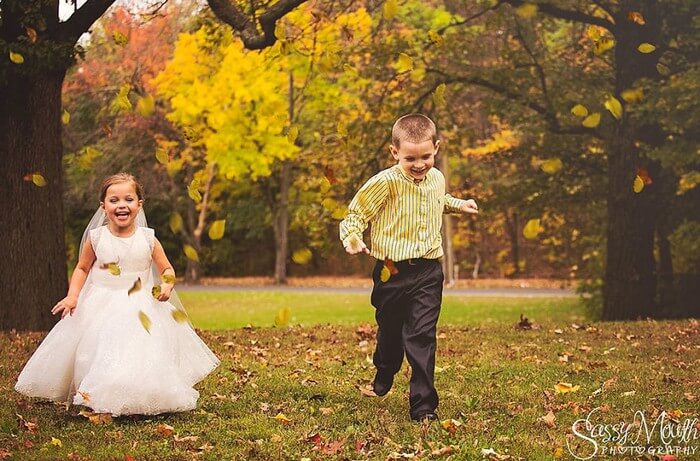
(281, 224)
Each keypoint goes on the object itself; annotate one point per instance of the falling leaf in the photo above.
(121, 101)
(38, 180)
(603, 45)
(385, 274)
(175, 222)
(193, 191)
(145, 321)
(646, 48)
(168, 278)
(549, 419)
(56, 442)
(16, 58)
(632, 95)
(614, 106)
(439, 95)
(282, 317)
(644, 175)
(436, 38)
(191, 253)
(155, 291)
(180, 316)
(119, 38)
(532, 229)
(135, 287)
(65, 117)
(551, 165)
(292, 134)
(563, 388)
(592, 120)
(638, 184)
(31, 33)
(146, 105)
(636, 17)
(662, 69)
(389, 264)
(216, 230)
(390, 9)
(579, 110)
(526, 10)
(282, 418)
(113, 268)
(302, 256)
(404, 63)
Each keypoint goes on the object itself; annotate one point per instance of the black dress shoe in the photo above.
(426, 416)
(382, 383)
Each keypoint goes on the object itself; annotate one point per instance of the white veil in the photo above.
(99, 219)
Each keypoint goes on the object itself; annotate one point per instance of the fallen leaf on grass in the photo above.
(4, 454)
(549, 419)
(56, 442)
(282, 418)
(563, 388)
(165, 430)
(97, 418)
(26, 425)
(366, 391)
(451, 425)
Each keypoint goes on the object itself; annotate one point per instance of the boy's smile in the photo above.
(121, 205)
(416, 159)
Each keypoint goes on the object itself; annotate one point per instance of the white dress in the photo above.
(103, 357)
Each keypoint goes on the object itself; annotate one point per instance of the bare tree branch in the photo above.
(256, 33)
(570, 15)
(82, 19)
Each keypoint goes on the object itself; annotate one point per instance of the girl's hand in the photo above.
(66, 306)
(165, 290)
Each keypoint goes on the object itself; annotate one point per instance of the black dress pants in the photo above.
(407, 309)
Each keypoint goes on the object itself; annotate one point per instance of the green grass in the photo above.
(224, 310)
(495, 381)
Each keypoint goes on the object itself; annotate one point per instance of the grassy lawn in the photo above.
(224, 310)
(297, 393)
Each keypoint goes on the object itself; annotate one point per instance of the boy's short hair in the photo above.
(413, 128)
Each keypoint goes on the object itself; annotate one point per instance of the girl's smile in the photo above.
(121, 205)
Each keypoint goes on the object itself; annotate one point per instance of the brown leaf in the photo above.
(26, 425)
(549, 419)
(165, 430)
(389, 264)
(333, 448)
(135, 287)
(366, 391)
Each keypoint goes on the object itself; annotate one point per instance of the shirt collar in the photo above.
(409, 177)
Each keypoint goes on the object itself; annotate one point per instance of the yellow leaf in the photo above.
(342, 128)
(390, 9)
(385, 274)
(180, 316)
(614, 106)
(65, 117)
(162, 156)
(439, 95)
(436, 38)
(281, 417)
(175, 222)
(16, 58)
(193, 191)
(216, 230)
(532, 229)
(593, 33)
(113, 268)
(563, 388)
(638, 184)
(302, 256)
(603, 45)
(146, 105)
(646, 48)
(191, 253)
(56, 442)
(633, 95)
(292, 134)
(559, 453)
(592, 120)
(662, 69)
(155, 291)
(526, 10)
(168, 278)
(339, 213)
(282, 317)
(404, 63)
(121, 101)
(120, 39)
(38, 180)
(551, 166)
(145, 321)
(31, 33)
(579, 110)
(135, 287)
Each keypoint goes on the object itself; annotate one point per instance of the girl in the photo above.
(123, 344)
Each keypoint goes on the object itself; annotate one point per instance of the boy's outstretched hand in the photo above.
(470, 207)
(356, 246)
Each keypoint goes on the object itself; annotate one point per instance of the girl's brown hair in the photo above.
(119, 178)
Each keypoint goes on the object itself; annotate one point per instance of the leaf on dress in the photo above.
(135, 287)
(155, 291)
(145, 321)
(180, 316)
(168, 278)
(113, 268)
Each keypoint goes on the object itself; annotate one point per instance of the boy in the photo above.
(405, 204)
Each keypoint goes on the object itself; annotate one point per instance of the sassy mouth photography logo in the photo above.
(665, 435)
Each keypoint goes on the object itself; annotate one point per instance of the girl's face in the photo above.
(121, 204)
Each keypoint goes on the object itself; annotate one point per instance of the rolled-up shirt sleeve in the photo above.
(363, 207)
(453, 205)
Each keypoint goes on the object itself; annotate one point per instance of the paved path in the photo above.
(473, 292)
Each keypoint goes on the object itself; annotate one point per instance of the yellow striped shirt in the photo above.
(406, 215)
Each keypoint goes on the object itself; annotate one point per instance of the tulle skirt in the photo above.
(105, 358)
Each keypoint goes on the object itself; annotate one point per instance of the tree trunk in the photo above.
(33, 270)
(512, 227)
(281, 224)
(629, 287)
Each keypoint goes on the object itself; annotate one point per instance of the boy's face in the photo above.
(416, 159)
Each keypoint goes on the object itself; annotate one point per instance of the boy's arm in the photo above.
(455, 205)
(362, 209)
